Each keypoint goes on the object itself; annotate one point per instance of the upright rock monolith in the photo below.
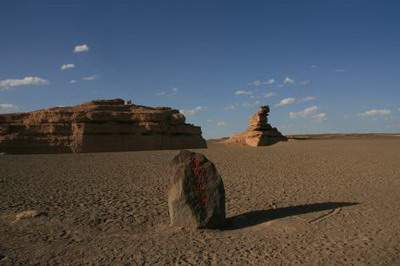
(196, 197)
(259, 131)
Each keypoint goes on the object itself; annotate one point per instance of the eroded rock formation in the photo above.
(97, 126)
(196, 196)
(259, 132)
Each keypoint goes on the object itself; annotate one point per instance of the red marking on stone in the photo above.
(204, 200)
(196, 167)
(201, 185)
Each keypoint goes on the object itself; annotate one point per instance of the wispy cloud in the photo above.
(221, 123)
(320, 117)
(230, 107)
(243, 93)
(194, 111)
(81, 48)
(251, 104)
(376, 113)
(290, 100)
(257, 83)
(307, 112)
(171, 92)
(286, 102)
(88, 78)
(72, 81)
(314, 66)
(8, 108)
(218, 123)
(269, 94)
(307, 99)
(269, 82)
(305, 82)
(67, 66)
(340, 70)
(288, 81)
(26, 81)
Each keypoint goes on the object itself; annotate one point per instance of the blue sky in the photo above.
(322, 66)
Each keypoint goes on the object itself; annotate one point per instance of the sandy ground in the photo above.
(314, 202)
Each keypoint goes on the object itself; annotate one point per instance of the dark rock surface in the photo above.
(196, 196)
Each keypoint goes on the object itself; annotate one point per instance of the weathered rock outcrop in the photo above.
(259, 132)
(97, 126)
(196, 196)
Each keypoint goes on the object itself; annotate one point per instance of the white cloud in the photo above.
(320, 117)
(8, 108)
(376, 113)
(256, 83)
(289, 101)
(243, 92)
(286, 102)
(269, 94)
(72, 81)
(171, 92)
(81, 48)
(304, 113)
(251, 104)
(218, 123)
(26, 81)
(288, 81)
(307, 99)
(67, 66)
(194, 111)
(92, 77)
(269, 82)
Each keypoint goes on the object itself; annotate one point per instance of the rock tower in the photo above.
(259, 131)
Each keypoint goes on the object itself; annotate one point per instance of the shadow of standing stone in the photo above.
(196, 196)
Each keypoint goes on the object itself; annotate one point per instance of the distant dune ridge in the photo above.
(98, 126)
(259, 132)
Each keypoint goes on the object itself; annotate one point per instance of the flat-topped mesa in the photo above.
(98, 126)
(259, 132)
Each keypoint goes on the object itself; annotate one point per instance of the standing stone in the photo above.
(259, 132)
(196, 196)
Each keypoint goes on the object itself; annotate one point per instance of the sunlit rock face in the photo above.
(259, 132)
(98, 126)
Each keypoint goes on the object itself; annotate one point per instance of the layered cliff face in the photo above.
(98, 126)
(259, 132)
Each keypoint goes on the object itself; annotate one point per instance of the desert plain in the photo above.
(310, 201)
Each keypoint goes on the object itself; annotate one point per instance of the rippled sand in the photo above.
(327, 201)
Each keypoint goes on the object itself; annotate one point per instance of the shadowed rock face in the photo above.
(196, 196)
(98, 126)
(259, 132)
